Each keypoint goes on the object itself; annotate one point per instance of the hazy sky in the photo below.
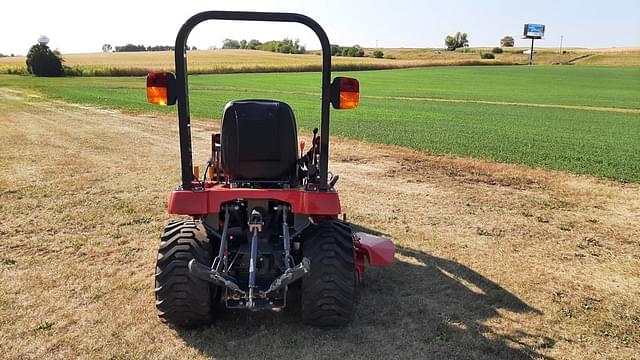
(81, 26)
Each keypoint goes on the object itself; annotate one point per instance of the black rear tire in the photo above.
(182, 299)
(329, 290)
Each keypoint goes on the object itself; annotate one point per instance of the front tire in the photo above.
(329, 290)
(183, 300)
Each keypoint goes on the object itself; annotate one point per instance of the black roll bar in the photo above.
(182, 86)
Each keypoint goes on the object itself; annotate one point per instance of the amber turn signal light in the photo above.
(161, 88)
(345, 93)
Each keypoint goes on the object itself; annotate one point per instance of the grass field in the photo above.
(578, 119)
(494, 261)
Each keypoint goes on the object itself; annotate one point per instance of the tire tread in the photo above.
(181, 299)
(329, 291)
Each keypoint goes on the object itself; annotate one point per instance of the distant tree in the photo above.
(193, 48)
(284, 46)
(497, 50)
(270, 45)
(253, 44)
(459, 40)
(298, 49)
(41, 61)
(130, 48)
(243, 44)
(378, 54)
(335, 50)
(230, 44)
(487, 56)
(162, 48)
(507, 41)
(353, 51)
(107, 48)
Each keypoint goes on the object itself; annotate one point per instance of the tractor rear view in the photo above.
(264, 214)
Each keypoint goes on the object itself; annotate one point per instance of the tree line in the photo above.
(137, 48)
(284, 46)
(288, 46)
(351, 51)
(461, 40)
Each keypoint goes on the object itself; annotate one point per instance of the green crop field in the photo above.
(584, 120)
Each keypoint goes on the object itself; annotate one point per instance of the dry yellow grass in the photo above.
(206, 61)
(225, 61)
(629, 58)
(494, 260)
(600, 57)
(197, 59)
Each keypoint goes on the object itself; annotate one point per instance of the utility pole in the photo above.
(561, 39)
(531, 54)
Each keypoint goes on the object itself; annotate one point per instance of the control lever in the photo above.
(333, 181)
(314, 146)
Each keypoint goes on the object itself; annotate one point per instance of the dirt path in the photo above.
(494, 261)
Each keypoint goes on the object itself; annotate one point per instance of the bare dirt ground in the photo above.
(494, 260)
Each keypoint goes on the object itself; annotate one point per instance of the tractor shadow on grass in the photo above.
(421, 307)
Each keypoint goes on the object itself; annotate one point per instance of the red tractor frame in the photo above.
(265, 216)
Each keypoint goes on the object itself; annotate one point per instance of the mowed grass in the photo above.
(493, 261)
(436, 110)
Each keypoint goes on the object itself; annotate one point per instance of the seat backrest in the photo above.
(259, 141)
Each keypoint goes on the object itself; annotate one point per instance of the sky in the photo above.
(82, 27)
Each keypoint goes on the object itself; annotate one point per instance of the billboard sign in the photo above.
(534, 31)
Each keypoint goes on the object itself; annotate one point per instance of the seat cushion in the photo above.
(259, 141)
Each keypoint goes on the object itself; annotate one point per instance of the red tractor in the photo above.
(264, 214)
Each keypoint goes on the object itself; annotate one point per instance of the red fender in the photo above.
(377, 250)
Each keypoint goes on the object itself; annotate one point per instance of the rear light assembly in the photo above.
(345, 93)
(161, 88)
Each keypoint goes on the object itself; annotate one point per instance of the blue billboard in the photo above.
(535, 31)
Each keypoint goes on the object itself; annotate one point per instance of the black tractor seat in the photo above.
(259, 142)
